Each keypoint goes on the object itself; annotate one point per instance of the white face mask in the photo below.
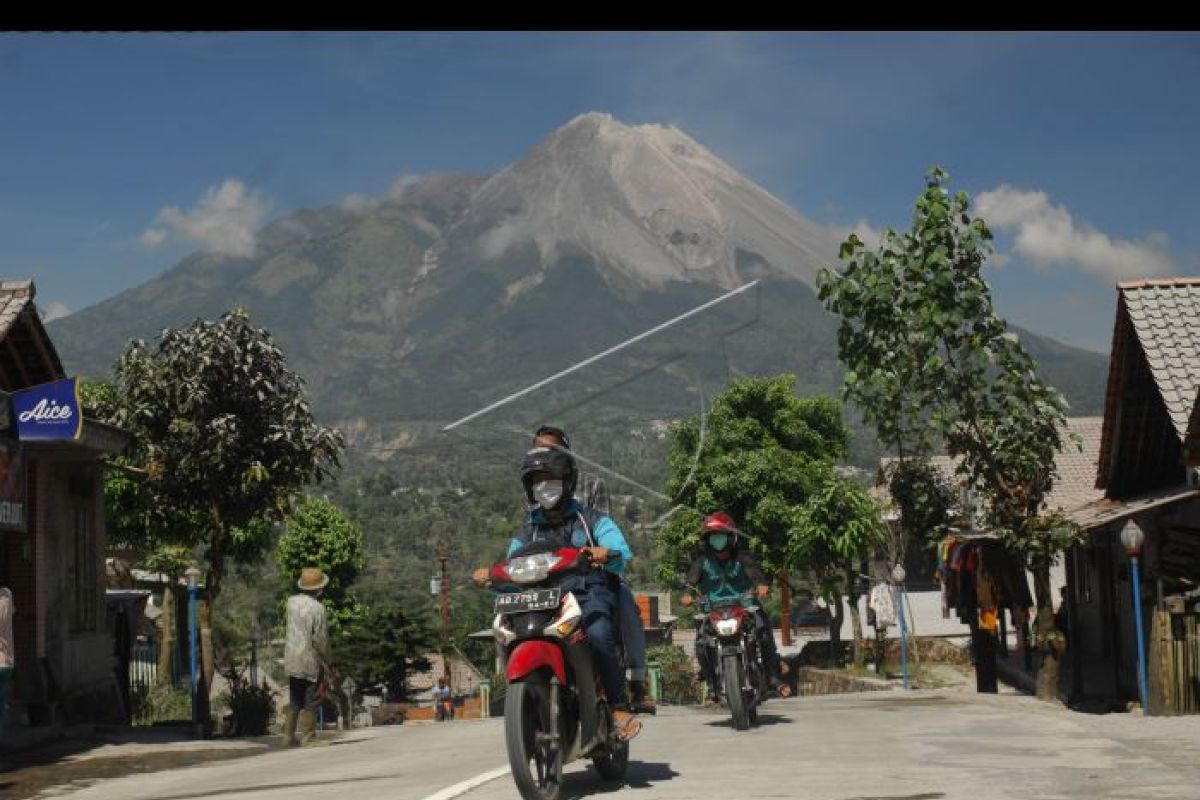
(548, 493)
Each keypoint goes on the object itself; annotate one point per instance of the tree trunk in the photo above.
(785, 609)
(1047, 675)
(167, 642)
(837, 616)
(856, 630)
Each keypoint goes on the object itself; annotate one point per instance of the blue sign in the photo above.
(48, 411)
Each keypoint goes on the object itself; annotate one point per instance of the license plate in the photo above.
(533, 600)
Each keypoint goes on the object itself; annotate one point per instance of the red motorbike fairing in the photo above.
(532, 655)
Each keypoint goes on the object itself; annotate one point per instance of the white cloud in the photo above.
(402, 185)
(1048, 235)
(999, 260)
(358, 203)
(54, 310)
(226, 221)
(153, 237)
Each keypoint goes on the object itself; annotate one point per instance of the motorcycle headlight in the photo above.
(531, 569)
(727, 627)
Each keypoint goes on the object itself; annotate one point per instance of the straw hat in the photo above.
(312, 579)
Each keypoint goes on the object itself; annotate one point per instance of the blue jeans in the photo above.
(633, 635)
(598, 603)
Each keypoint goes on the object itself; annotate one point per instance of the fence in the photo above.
(1174, 663)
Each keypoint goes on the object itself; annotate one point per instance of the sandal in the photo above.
(626, 725)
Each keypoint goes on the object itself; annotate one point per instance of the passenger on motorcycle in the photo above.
(725, 572)
(549, 476)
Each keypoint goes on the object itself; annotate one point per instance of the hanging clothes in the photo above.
(882, 602)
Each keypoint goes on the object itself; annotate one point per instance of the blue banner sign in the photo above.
(48, 411)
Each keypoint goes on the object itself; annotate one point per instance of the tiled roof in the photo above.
(14, 297)
(1076, 481)
(1166, 318)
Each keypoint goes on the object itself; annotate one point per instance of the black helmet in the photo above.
(558, 464)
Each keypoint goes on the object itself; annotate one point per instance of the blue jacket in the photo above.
(574, 533)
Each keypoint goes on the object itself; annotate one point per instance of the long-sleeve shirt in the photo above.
(580, 521)
(307, 646)
(7, 652)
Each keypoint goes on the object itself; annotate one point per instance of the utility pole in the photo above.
(445, 592)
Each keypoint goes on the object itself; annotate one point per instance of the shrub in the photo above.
(252, 706)
(678, 682)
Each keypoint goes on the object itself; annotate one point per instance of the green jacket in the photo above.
(728, 580)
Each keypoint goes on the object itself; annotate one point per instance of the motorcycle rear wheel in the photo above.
(536, 761)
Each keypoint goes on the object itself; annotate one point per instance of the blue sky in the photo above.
(1082, 148)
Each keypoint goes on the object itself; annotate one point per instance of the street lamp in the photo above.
(898, 575)
(1132, 538)
(193, 576)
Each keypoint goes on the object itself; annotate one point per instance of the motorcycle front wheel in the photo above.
(534, 753)
(731, 673)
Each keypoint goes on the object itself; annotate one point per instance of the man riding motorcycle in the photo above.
(630, 630)
(725, 572)
(549, 476)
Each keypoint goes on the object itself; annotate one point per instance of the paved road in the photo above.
(873, 746)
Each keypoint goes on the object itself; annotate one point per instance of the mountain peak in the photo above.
(645, 201)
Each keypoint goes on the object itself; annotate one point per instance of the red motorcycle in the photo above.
(555, 710)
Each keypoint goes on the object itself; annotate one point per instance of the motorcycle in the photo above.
(555, 710)
(729, 631)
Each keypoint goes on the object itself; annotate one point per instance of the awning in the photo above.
(1099, 513)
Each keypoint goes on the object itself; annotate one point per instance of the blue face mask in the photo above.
(718, 541)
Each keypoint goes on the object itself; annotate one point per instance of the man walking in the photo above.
(305, 657)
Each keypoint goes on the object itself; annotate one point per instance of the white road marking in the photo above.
(462, 787)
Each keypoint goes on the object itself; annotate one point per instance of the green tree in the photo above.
(762, 452)
(124, 498)
(839, 529)
(927, 356)
(225, 434)
(319, 534)
(383, 645)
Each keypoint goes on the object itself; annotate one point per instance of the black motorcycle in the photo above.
(729, 630)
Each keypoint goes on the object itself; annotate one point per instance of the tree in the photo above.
(839, 528)
(383, 645)
(927, 356)
(762, 453)
(225, 434)
(124, 498)
(319, 534)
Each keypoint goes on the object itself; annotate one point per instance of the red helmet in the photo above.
(719, 533)
(719, 522)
